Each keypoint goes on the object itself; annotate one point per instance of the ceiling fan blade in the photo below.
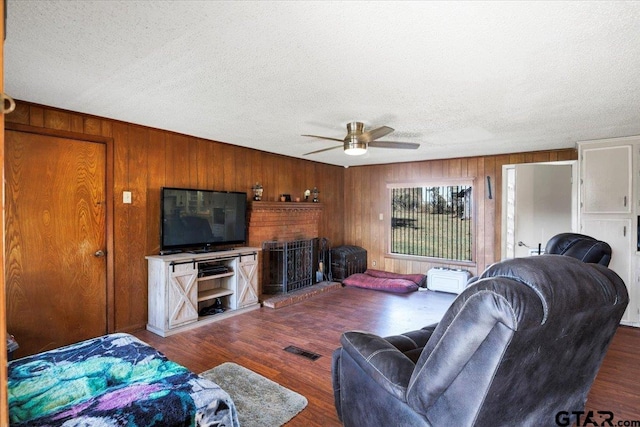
(324, 149)
(325, 137)
(391, 144)
(374, 134)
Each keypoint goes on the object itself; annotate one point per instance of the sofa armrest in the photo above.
(379, 359)
(414, 340)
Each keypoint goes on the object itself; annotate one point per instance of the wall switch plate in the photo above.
(381, 217)
(126, 197)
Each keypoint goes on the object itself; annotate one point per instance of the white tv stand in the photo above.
(180, 285)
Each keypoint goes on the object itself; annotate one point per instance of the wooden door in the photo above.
(55, 234)
(4, 407)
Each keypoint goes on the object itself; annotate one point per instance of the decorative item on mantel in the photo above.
(315, 192)
(257, 191)
(307, 193)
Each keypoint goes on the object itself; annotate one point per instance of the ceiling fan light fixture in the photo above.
(358, 141)
(354, 147)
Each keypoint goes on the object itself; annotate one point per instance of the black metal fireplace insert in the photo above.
(288, 266)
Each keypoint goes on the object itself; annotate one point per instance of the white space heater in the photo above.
(447, 280)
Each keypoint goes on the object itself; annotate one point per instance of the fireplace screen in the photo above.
(287, 266)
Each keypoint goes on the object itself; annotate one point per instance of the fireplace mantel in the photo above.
(284, 221)
(286, 206)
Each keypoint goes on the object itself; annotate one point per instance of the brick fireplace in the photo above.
(283, 221)
(277, 225)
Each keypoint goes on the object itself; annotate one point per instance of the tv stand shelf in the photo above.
(213, 293)
(216, 276)
(181, 285)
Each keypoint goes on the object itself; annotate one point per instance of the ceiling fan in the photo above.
(357, 140)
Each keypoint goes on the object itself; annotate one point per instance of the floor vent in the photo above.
(304, 353)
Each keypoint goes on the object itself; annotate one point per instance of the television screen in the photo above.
(201, 218)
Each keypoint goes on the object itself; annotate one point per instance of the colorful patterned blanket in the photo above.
(114, 380)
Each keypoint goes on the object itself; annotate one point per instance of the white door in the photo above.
(617, 232)
(539, 201)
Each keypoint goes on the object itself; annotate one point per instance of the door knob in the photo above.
(12, 104)
(99, 254)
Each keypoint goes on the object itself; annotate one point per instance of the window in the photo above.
(431, 220)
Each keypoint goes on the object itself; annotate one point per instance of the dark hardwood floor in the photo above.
(256, 340)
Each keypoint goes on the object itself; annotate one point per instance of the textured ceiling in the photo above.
(460, 78)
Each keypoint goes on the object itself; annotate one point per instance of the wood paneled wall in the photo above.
(146, 159)
(366, 198)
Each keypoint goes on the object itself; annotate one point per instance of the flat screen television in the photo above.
(201, 219)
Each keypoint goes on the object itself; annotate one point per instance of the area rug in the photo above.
(260, 401)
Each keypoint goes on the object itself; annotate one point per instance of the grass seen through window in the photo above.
(432, 222)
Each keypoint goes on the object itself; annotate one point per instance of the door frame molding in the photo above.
(109, 204)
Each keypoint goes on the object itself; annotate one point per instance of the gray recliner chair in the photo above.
(520, 346)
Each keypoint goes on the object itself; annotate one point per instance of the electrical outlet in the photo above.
(126, 197)
(381, 217)
(374, 263)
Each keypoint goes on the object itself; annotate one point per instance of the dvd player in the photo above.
(211, 270)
